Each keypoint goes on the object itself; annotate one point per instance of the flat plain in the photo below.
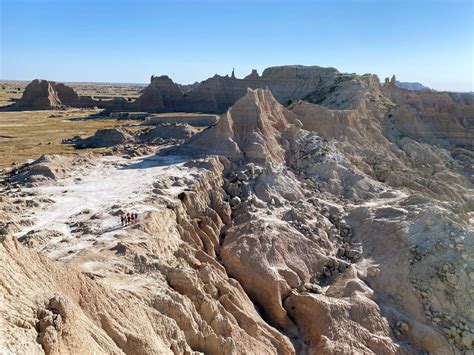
(26, 135)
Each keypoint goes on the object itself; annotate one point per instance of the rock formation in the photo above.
(50, 167)
(46, 95)
(339, 222)
(254, 129)
(161, 95)
(217, 94)
(187, 304)
(441, 117)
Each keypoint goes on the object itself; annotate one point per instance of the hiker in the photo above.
(122, 219)
(135, 216)
(129, 217)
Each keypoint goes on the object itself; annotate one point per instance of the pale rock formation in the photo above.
(156, 289)
(64, 311)
(255, 129)
(279, 255)
(377, 144)
(423, 280)
(436, 117)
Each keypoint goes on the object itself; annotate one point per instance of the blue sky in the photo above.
(126, 41)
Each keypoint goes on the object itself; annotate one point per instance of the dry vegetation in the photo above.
(107, 91)
(30, 134)
(27, 135)
(12, 90)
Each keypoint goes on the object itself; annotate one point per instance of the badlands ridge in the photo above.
(324, 213)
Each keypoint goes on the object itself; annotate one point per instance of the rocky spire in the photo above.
(253, 75)
(255, 129)
(390, 82)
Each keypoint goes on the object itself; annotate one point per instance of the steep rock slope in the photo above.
(436, 117)
(254, 129)
(294, 253)
(154, 287)
(217, 94)
(303, 242)
(161, 95)
(427, 233)
(376, 142)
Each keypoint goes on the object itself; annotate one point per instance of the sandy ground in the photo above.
(94, 195)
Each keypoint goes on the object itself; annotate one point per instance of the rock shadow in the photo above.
(157, 161)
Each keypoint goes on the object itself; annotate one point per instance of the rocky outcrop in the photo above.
(217, 94)
(255, 129)
(435, 117)
(161, 95)
(46, 95)
(384, 146)
(64, 311)
(181, 299)
(265, 249)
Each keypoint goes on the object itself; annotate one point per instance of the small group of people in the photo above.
(129, 217)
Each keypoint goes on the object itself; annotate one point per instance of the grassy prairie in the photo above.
(27, 135)
(11, 91)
